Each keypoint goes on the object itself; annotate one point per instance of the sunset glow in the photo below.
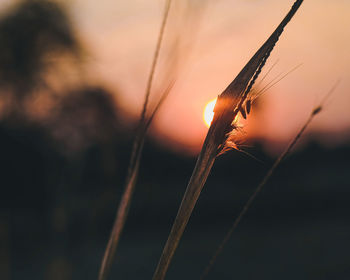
(122, 52)
(208, 113)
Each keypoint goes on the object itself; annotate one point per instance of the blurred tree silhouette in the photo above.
(53, 168)
(29, 33)
(56, 174)
(84, 117)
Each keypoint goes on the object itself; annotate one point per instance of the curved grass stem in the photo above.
(134, 163)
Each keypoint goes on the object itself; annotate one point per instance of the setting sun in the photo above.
(208, 113)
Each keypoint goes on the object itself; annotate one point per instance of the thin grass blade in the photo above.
(134, 163)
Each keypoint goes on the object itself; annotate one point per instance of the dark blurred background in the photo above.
(65, 147)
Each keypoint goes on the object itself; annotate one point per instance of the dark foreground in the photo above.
(57, 210)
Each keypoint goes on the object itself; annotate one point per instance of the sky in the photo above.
(206, 44)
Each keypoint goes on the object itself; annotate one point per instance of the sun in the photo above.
(208, 113)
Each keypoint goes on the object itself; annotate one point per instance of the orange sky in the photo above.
(218, 40)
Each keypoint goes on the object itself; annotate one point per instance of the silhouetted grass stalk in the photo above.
(134, 163)
(228, 105)
(314, 112)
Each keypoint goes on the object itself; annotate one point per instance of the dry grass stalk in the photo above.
(232, 101)
(218, 251)
(134, 163)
